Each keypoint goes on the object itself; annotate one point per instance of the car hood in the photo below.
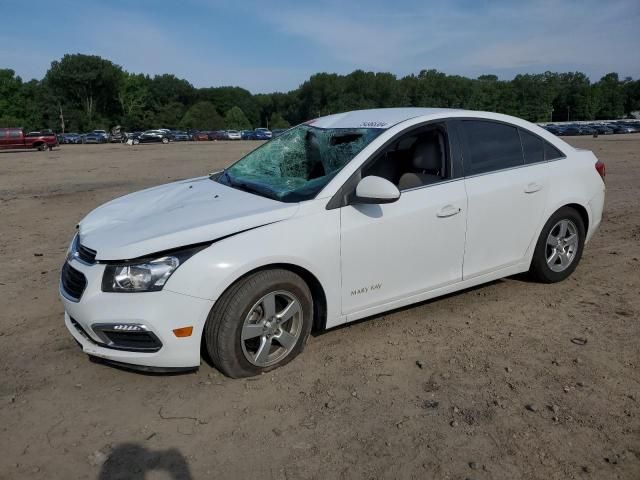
(175, 215)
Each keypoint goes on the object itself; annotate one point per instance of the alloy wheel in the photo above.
(272, 328)
(562, 245)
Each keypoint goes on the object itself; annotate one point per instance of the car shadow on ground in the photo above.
(130, 461)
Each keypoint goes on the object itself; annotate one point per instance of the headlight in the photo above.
(146, 276)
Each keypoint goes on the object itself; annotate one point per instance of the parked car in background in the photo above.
(103, 133)
(15, 138)
(234, 135)
(179, 136)
(200, 136)
(276, 132)
(246, 135)
(262, 134)
(602, 129)
(94, 137)
(218, 135)
(621, 128)
(117, 134)
(71, 138)
(154, 136)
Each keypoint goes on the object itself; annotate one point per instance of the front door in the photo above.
(392, 251)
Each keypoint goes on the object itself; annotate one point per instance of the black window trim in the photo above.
(340, 198)
(464, 147)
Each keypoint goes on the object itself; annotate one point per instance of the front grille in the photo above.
(86, 254)
(73, 282)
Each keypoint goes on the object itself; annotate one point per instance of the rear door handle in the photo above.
(533, 188)
(448, 211)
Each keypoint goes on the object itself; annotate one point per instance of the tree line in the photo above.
(88, 92)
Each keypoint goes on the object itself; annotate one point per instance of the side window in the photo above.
(418, 158)
(3, 134)
(551, 152)
(15, 133)
(532, 146)
(490, 146)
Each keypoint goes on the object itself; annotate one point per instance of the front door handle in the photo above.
(533, 188)
(449, 211)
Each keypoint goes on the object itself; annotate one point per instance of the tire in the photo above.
(554, 261)
(244, 308)
(165, 140)
(42, 147)
(136, 141)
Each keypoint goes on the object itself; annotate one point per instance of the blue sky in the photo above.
(272, 45)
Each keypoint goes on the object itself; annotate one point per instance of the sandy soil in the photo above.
(439, 390)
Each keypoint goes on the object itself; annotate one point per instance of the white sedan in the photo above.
(340, 218)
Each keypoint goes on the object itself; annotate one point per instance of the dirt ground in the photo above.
(483, 384)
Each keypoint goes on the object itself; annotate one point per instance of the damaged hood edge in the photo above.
(175, 215)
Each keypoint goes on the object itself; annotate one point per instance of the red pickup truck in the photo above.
(14, 138)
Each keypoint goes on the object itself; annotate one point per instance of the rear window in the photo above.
(532, 146)
(490, 146)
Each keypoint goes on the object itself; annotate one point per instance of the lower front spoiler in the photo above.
(140, 368)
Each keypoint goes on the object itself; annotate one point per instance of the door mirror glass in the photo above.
(375, 190)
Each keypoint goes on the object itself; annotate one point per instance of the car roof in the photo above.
(377, 117)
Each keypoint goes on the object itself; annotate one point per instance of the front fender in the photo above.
(310, 241)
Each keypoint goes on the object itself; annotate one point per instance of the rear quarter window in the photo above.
(532, 147)
(551, 152)
(490, 146)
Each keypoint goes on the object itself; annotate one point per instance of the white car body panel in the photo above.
(504, 212)
(385, 261)
(174, 215)
(405, 250)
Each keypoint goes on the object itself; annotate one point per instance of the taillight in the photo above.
(601, 169)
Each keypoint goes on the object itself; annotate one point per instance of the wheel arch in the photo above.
(582, 211)
(317, 290)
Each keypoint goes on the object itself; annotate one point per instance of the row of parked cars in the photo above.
(165, 135)
(594, 128)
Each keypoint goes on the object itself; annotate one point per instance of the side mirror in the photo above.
(375, 190)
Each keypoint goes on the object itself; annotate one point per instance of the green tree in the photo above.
(610, 96)
(134, 96)
(235, 119)
(87, 82)
(202, 116)
(277, 121)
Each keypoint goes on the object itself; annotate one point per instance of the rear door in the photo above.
(506, 195)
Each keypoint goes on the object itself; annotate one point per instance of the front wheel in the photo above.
(260, 323)
(165, 140)
(559, 246)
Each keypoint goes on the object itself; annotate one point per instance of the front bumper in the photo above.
(160, 312)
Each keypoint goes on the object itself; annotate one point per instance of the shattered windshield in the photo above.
(296, 165)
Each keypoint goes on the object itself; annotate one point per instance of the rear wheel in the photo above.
(165, 140)
(260, 323)
(42, 147)
(559, 247)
